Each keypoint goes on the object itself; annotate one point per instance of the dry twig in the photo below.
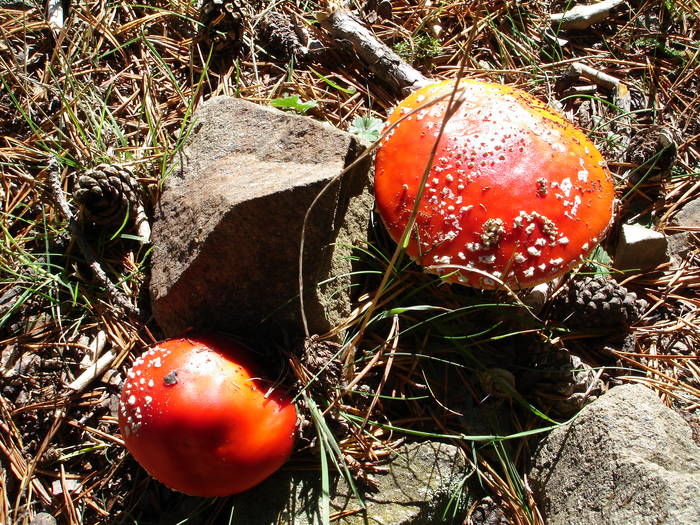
(584, 16)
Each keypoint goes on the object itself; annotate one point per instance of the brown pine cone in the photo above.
(558, 381)
(652, 148)
(595, 302)
(319, 358)
(278, 36)
(487, 512)
(107, 193)
(223, 23)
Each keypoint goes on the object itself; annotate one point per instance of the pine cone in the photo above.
(223, 23)
(595, 302)
(107, 193)
(559, 381)
(319, 357)
(278, 36)
(652, 147)
(487, 512)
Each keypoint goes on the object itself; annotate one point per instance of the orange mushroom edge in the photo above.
(516, 195)
(197, 417)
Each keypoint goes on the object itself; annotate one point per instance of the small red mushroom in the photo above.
(515, 193)
(196, 416)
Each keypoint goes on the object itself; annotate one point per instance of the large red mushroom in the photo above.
(515, 193)
(195, 414)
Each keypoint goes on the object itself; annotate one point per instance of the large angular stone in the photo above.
(228, 226)
(424, 482)
(627, 458)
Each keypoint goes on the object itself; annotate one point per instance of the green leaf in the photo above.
(368, 128)
(600, 260)
(294, 103)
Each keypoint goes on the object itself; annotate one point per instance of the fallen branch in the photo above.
(584, 16)
(93, 372)
(401, 77)
(578, 70)
(56, 194)
(98, 367)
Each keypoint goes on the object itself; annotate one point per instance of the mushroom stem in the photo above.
(401, 77)
(536, 297)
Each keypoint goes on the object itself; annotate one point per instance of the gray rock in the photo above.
(422, 481)
(228, 226)
(640, 248)
(57, 486)
(689, 215)
(627, 459)
(682, 242)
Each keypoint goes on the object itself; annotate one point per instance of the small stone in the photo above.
(43, 518)
(640, 248)
(57, 486)
(680, 243)
(689, 215)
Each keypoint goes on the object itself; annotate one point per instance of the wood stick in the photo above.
(93, 372)
(584, 16)
(578, 70)
(99, 365)
(401, 77)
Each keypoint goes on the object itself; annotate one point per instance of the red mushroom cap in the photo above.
(195, 415)
(514, 192)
